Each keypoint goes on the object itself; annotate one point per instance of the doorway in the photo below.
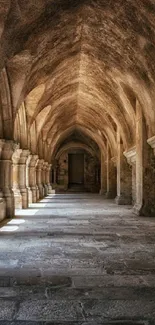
(76, 169)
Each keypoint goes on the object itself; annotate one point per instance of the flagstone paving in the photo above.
(77, 259)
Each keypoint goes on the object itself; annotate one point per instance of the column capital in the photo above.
(130, 155)
(8, 148)
(16, 156)
(33, 160)
(2, 141)
(151, 142)
(24, 155)
(49, 166)
(45, 165)
(40, 163)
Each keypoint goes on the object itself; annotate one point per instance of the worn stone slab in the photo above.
(118, 309)
(7, 309)
(108, 281)
(58, 310)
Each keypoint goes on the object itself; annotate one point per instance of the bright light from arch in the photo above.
(16, 222)
(8, 228)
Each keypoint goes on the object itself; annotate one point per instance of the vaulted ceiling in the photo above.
(80, 65)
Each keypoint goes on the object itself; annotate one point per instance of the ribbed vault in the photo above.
(79, 64)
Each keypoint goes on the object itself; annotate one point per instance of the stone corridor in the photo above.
(77, 259)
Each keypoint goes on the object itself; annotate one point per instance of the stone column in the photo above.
(55, 175)
(103, 189)
(32, 177)
(45, 165)
(39, 167)
(37, 189)
(6, 176)
(22, 178)
(48, 178)
(139, 159)
(2, 200)
(110, 176)
(131, 159)
(145, 168)
(124, 176)
(16, 189)
(149, 189)
(29, 191)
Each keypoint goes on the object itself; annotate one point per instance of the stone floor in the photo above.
(77, 259)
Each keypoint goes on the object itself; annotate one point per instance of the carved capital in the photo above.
(23, 157)
(151, 142)
(33, 160)
(8, 149)
(130, 155)
(16, 156)
(40, 164)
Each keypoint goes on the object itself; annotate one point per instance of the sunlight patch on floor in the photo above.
(16, 221)
(8, 228)
(26, 212)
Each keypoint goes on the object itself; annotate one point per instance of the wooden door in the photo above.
(76, 168)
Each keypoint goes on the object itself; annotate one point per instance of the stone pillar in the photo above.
(139, 159)
(145, 168)
(29, 191)
(124, 176)
(55, 175)
(6, 176)
(22, 178)
(2, 200)
(149, 189)
(16, 189)
(110, 176)
(32, 177)
(45, 165)
(103, 189)
(111, 179)
(48, 178)
(37, 189)
(131, 159)
(39, 167)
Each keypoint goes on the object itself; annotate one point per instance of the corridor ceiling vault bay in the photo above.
(85, 68)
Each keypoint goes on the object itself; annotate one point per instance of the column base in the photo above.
(147, 210)
(10, 205)
(50, 190)
(29, 196)
(41, 192)
(2, 209)
(17, 198)
(45, 190)
(137, 209)
(24, 194)
(34, 194)
(123, 200)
